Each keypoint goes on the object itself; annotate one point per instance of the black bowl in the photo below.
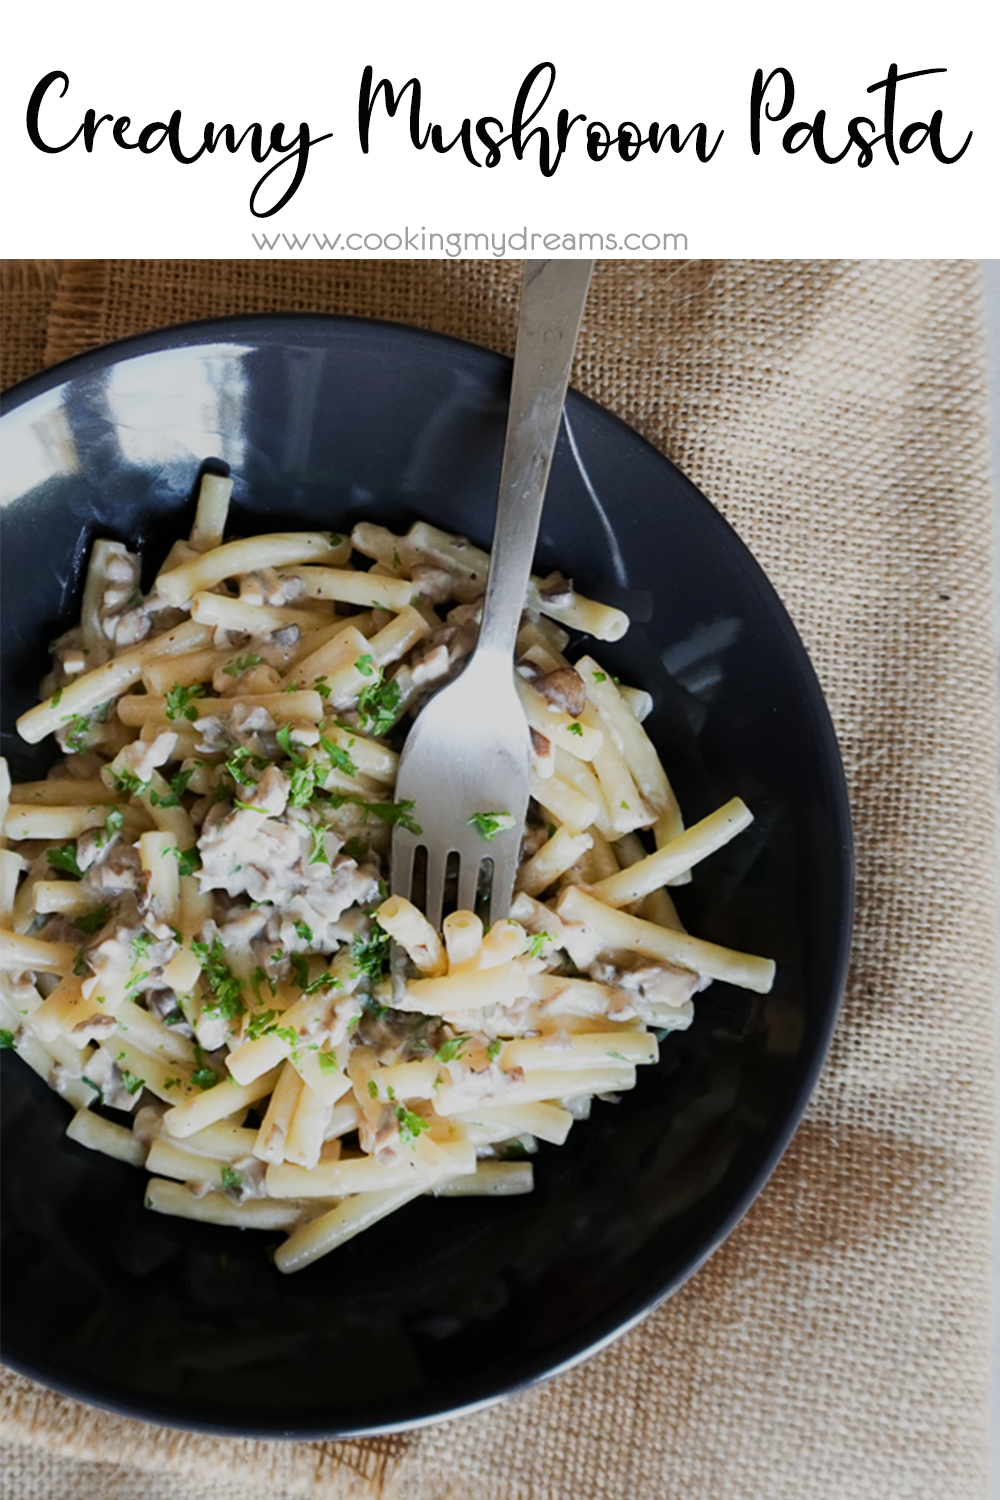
(449, 1304)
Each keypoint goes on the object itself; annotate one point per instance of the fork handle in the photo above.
(553, 293)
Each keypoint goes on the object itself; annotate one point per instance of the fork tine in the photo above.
(504, 872)
(437, 865)
(468, 882)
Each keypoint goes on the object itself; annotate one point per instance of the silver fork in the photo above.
(466, 763)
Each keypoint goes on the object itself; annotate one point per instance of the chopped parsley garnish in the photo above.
(64, 858)
(325, 981)
(306, 775)
(515, 1151)
(257, 978)
(338, 757)
(188, 860)
(81, 968)
(242, 664)
(410, 1124)
(374, 1007)
(113, 822)
(322, 687)
(600, 676)
(284, 738)
(449, 1050)
(204, 1077)
(371, 953)
(317, 835)
(171, 1083)
(76, 738)
(136, 982)
(92, 1085)
(537, 944)
(302, 785)
(489, 824)
(372, 1089)
(180, 701)
(396, 814)
(304, 932)
(260, 1025)
(300, 968)
(248, 806)
(575, 729)
(365, 665)
(232, 1180)
(178, 785)
(127, 781)
(618, 1055)
(132, 1082)
(141, 944)
(354, 849)
(92, 920)
(7, 1038)
(57, 697)
(235, 766)
(493, 1050)
(378, 702)
(328, 1062)
(227, 990)
(335, 540)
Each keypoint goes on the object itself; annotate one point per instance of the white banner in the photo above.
(457, 130)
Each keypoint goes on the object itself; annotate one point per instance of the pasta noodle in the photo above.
(199, 950)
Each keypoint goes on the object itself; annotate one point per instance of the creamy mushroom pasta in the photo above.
(197, 926)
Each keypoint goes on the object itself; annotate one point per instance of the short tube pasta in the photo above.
(348, 586)
(617, 931)
(195, 904)
(233, 558)
(411, 930)
(211, 512)
(105, 682)
(672, 859)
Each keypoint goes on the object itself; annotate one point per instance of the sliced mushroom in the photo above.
(434, 585)
(133, 626)
(564, 689)
(556, 589)
(250, 1172)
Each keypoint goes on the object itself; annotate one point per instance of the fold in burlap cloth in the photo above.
(837, 1345)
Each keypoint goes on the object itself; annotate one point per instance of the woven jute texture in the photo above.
(837, 1345)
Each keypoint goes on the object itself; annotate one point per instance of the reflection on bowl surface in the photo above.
(451, 1303)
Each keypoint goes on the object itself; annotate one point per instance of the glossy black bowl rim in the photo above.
(270, 328)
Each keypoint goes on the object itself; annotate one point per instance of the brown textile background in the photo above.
(837, 1345)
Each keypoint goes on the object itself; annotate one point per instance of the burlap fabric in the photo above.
(837, 1345)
